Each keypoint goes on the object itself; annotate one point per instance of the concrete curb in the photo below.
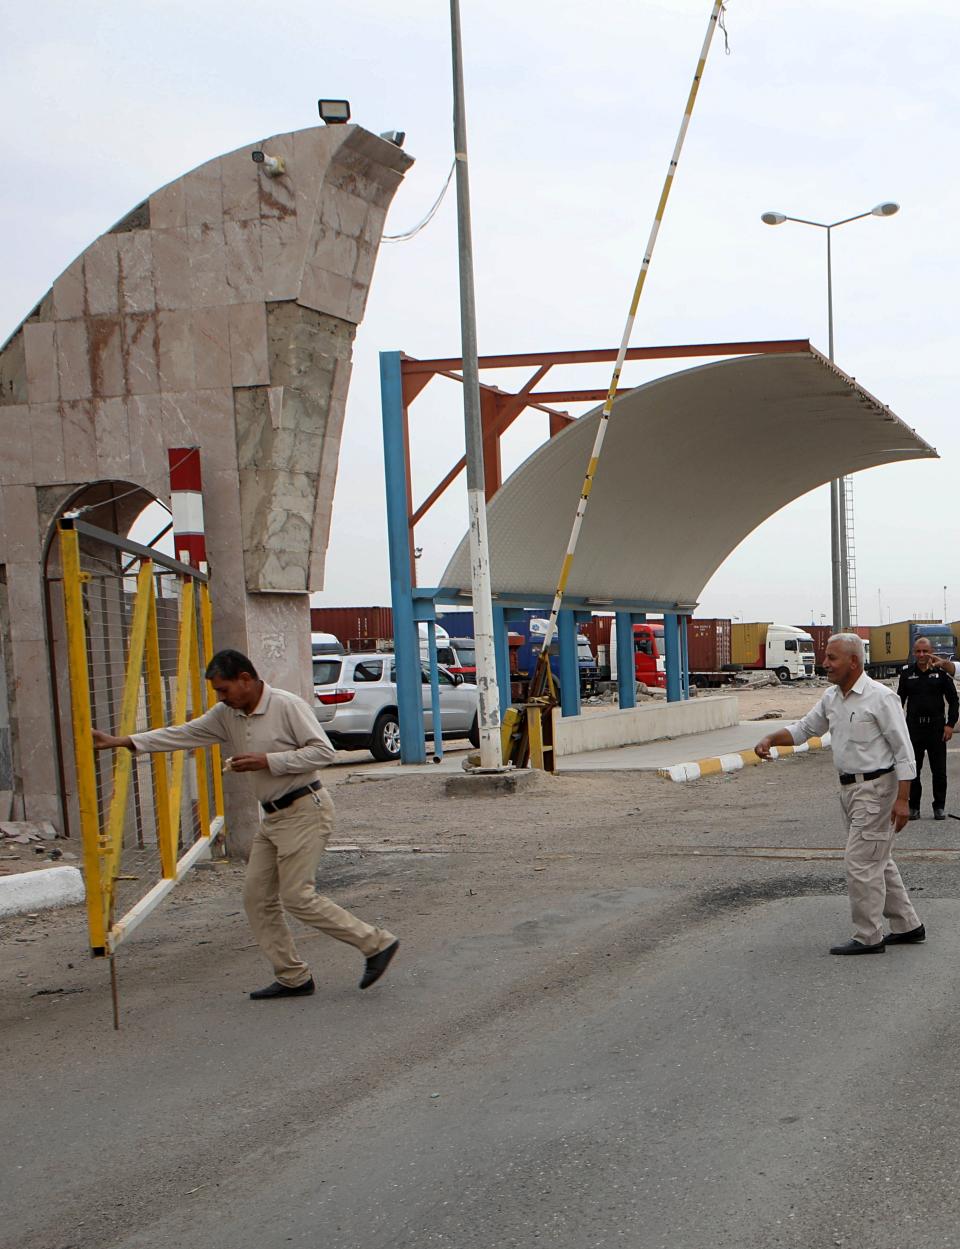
(40, 891)
(734, 762)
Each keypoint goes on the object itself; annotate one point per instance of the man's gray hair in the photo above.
(852, 641)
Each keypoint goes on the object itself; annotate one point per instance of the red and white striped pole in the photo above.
(189, 540)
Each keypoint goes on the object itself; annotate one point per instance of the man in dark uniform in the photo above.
(923, 689)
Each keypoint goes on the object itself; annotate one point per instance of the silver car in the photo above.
(356, 702)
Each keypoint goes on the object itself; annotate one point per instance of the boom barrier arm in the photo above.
(541, 675)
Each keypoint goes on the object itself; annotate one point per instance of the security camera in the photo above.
(273, 166)
(394, 136)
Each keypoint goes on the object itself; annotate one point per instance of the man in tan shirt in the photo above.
(274, 736)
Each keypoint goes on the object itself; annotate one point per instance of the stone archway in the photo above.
(220, 314)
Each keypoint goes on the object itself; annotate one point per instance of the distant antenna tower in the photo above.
(851, 569)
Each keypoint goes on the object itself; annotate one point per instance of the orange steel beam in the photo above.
(490, 407)
(500, 408)
(577, 396)
(496, 422)
(455, 377)
(774, 346)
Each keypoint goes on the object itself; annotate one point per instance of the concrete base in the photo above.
(489, 784)
(39, 891)
(573, 735)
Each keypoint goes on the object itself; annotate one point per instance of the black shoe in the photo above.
(913, 937)
(377, 964)
(857, 947)
(284, 990)
(914, 813)
(939, 813)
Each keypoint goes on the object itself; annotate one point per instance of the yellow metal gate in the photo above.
(139, 637)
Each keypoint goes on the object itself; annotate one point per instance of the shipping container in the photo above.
(820, 635)
(597, 629)
(708, 646)
(785, 650)
(358, 628)
(748, 644)
(891, 645)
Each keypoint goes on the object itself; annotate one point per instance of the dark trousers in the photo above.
(928, 740)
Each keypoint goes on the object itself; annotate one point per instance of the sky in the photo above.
(819, 110)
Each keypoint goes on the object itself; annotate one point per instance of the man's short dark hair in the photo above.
(228, 665)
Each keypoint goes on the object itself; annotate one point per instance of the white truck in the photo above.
(784, 650)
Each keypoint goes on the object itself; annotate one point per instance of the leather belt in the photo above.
(848, 778)
(285, 800)
(925, 720)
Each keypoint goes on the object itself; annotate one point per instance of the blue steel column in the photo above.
(684, 658)
(672, 648)
(501, 648)
(626, 671)
(437, 729)
(406, 640)
(569, 664)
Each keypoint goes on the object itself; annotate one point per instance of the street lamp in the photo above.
(838, 500)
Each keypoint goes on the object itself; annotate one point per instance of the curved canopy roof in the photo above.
(691, 464)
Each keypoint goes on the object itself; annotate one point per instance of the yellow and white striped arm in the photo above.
(627, 332)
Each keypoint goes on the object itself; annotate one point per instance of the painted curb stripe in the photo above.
(735, 762)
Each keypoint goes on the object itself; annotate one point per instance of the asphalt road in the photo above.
(737, 1093)
(628, 1049)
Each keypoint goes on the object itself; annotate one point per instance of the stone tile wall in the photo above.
(219, 313)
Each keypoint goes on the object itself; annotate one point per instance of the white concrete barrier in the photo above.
(605, 729)
(38, 891)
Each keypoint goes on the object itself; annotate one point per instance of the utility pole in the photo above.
(488, 714)
(840, 558)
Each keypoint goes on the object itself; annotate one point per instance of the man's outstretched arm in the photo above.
(104, 741)
(782, 737)
(205, 730)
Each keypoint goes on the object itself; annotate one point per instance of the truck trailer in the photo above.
(891, 645)
(821, 634)
(784, 650)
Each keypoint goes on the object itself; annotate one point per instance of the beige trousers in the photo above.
(281, 876)
(873, 879)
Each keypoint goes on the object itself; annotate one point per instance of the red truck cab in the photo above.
(648, 656)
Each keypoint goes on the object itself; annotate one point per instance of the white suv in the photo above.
(356, 703)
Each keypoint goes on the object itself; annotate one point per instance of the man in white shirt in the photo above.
(274, 736)
(872, 750)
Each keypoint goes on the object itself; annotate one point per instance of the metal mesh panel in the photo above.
(115, 588)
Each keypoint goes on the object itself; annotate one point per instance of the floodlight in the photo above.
(334, 112)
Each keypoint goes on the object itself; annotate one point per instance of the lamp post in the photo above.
(839, 554)
(488, 696)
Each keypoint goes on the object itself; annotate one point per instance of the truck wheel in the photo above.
(385, 740)
(782, 675)
(474, 734)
